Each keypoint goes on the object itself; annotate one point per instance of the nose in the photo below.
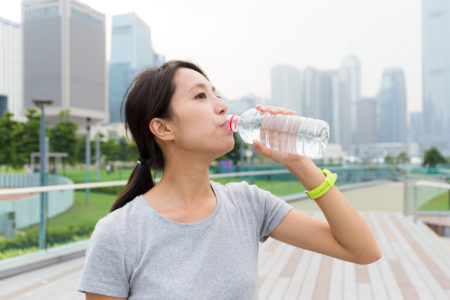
(221, 107)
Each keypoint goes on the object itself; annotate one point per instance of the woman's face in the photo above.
(198, 121)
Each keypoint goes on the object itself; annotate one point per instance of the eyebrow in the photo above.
(201, 85)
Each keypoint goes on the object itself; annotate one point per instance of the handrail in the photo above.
(442, 185)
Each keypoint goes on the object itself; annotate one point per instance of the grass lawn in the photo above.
(81, 212)
(79, 175)
(437, 203)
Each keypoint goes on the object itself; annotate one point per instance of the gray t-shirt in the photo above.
(137, 253)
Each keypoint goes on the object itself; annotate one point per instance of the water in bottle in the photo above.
(288, 133)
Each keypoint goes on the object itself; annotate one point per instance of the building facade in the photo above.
(64, 51)
(366, 117)
(416, 127)
(131, 52)
(11, 69)
(349, 92)
(392, 107)
(285, 87)
(436, 74)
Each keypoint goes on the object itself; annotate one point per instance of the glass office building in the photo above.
(436, 74)
(131, 52)
(64, 52)
(392, 107)
(11, 69)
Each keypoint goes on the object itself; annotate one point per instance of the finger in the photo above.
(263, 108)
(289, 112)
(276, 110)
(261, 149)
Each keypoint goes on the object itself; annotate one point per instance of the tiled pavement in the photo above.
(415, 265)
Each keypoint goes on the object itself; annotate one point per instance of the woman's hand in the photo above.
(277, 156)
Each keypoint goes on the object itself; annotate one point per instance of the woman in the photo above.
(188, 237)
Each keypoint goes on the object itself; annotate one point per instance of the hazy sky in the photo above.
(237, 42)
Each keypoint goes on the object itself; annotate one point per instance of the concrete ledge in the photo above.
(28, 262)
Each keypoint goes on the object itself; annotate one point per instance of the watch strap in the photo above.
(322, 189)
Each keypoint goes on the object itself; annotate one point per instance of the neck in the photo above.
(185, 182)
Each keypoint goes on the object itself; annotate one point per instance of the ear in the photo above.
(161, 129)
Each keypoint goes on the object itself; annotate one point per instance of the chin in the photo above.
(228, 146)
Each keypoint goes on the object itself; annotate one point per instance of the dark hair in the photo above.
(148, 97)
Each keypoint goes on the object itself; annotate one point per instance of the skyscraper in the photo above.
(319, 96)
(309, 92)
(131, 52)
(416, 126)
(436, 70)
(327, 99)
(349, 93)
(11, 69)
(366, 117)
(392, 107)
(285, 81)
(64, 46)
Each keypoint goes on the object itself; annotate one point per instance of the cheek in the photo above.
(205, 137)
(196, 133)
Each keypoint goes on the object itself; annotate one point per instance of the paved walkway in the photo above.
(415, 264)
(383, 197)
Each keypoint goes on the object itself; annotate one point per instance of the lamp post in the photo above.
(41, 103)
(88, 159)
(97, 155)
(249, 154)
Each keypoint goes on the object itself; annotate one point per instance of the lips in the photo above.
(225, 125)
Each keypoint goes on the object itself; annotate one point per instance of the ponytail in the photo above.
(140, 181)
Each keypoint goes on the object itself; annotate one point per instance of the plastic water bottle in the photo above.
(288, 133)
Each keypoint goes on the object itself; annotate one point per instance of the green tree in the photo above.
(9, 130)
(433, 157)
(62, 136)
(403, 158)
(123, 149)
(110, 149)
(28, 135)
(81, 150)
(389, 159)
(234, 154)
(133, 153)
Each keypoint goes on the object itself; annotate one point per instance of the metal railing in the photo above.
(82, 186)
(426, 194)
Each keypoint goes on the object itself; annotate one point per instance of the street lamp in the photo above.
(88, 158)
(250, 155)
(41, 103)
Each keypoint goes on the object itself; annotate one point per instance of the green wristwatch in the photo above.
(326, 185)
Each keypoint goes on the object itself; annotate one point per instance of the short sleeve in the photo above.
(269, 209)
(105, 270)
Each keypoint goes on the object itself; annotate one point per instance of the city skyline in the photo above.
(300, 34)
